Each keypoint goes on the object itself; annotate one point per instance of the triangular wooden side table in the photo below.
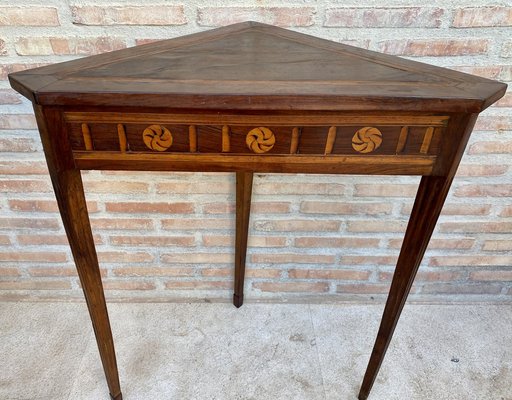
(252, 98)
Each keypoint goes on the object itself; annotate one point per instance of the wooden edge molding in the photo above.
(261, 120)
(356, 164)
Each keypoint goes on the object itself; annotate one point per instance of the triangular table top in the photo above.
(255, 66)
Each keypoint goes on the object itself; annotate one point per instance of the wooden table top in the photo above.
(255, 66)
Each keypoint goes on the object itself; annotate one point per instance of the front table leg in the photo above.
(427, 207)
(243, 209)
(67, 184)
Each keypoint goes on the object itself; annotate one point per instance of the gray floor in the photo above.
(261, 351)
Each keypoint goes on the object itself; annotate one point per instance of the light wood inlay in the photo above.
(367, 139)
(86, 132)
(402, 139)
(226, 144)
(260, 140)
(295, 140)
(426, 140)
(123, 144)
(192, 138)
(331, 137)
(157, 137)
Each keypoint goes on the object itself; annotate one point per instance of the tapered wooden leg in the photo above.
(243, 209)
(427, 207)
(67, 183)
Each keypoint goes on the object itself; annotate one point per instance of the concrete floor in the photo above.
(261, 351)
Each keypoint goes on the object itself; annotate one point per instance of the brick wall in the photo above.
(171, 235)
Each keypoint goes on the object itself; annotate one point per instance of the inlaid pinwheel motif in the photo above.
(367, 139)
(260, 140)
(157, 137)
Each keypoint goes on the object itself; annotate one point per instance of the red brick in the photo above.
(142, 41)
(140, 207)
(297, 225)
(330, 242)
(368, 260)
(497, 245)
(460, 289)
(472, 260)
(455, 244)
(35, 285)
(52, 271)
(129, 15)
(199, 285)
(122, 224)
(283, 188)
(36, 256)
(280, 16)
(250, 273)
(292, 259)
(9, 96)
(291, 287)
(493, 123)
(457, 209)
(376, 226)
(505, 101)
(32, 223)
(388, 190)
(270, 207)
(503, 72)
(24, 186)
(482, 16)
(153, 240)
(6, 271)
(476, 227)
(506, 212)
(44, 205)
(198, 224)
(23, 168)
(48, 240)
(338, 274)
(484, 191)
(435, 47)
(198, 258)
(491, 276)
(67, 46)
(124, 256)
(152, 271)
(195, 188)
(481, 170)
(441, 276)
(29, 16)
(6, 69)
(254, 241)
(373, 288)
(115, 187)
(219, 208)
(324, 207)
(498, 147)
(406, 17)
(128, 285)
(19, 145)
(4, 240)
(17, 121)
(506, 49)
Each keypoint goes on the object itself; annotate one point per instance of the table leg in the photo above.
(243, 209)
(427, 207)
(67, 184)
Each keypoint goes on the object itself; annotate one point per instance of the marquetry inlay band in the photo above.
(157, 137)
(367, 139)
(260, 140)
(86, 133)
(121, 133)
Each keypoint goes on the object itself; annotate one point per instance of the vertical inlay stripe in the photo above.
(426, 140)
(295, 141)
(192, 138)
(402, 139)
(123, 144)
(331, 137)
(225, 139)
(87, 137)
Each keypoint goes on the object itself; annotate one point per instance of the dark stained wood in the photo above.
(243, 209)
(253, 98)
(67, 184)
(256, 66)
